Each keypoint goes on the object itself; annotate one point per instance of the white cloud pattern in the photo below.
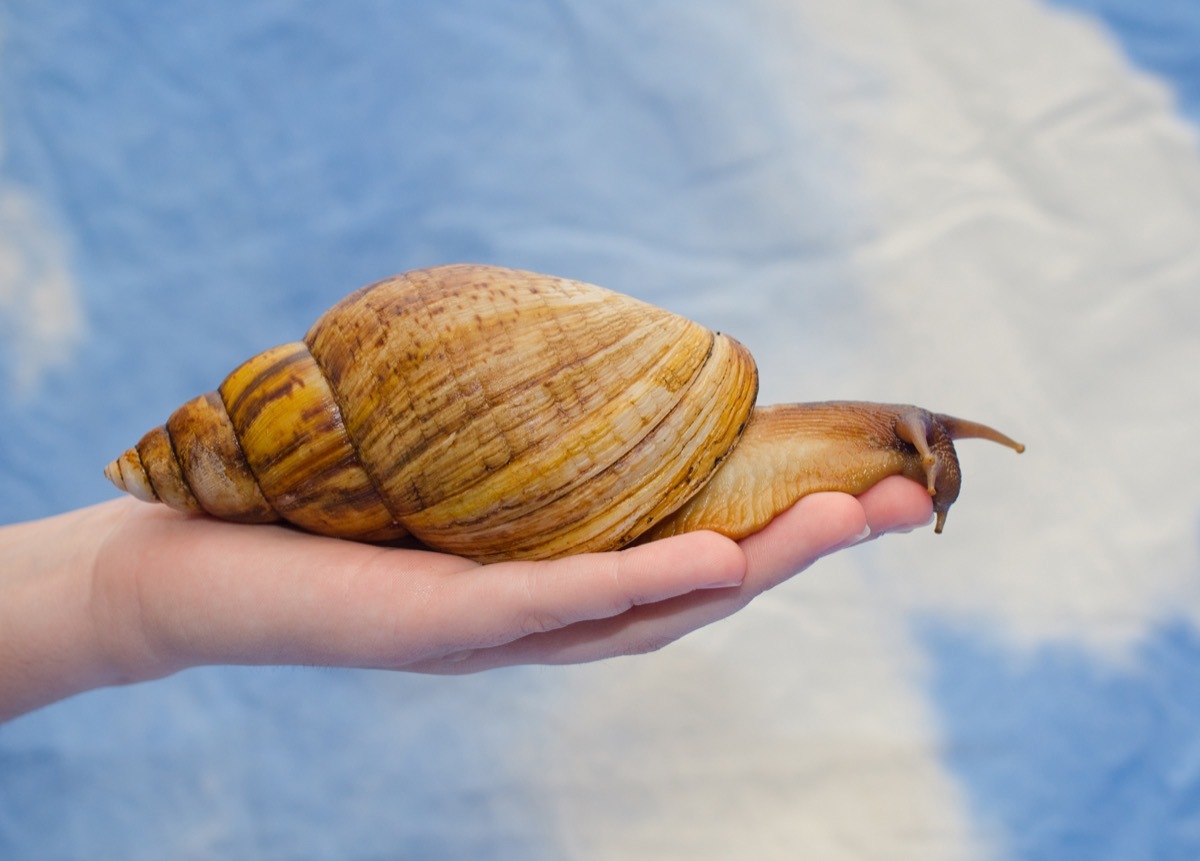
(40, 311)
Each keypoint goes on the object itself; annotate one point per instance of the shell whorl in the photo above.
(524, 415)
(490, 413)
(267, 445)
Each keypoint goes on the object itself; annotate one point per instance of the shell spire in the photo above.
(275, 452)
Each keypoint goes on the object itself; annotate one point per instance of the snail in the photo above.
(497, 414)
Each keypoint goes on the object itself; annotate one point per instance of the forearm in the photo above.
(49, 643)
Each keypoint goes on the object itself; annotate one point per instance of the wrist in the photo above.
(54, 635)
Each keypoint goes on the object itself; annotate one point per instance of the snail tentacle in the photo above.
(966, 429)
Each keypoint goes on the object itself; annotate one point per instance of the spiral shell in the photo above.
(487, 412)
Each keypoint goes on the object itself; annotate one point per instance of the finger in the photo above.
(816, 525)
(525, 598)
(595, 606)
(823, 523)
(897, 504)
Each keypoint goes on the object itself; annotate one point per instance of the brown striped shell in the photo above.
(488, 412)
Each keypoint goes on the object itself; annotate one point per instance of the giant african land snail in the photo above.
(501, 414)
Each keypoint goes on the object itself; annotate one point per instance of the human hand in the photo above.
(131, 592)
(818, 525)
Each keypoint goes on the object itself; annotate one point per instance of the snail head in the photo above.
(932, 435)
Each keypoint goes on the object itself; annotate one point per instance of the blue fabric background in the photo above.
(183, 188)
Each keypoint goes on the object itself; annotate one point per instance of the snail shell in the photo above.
(489, 413)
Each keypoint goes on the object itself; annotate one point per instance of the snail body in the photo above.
(496, 414)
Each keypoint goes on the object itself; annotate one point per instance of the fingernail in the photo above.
(916, 526)
(857, 539)
(725, 583)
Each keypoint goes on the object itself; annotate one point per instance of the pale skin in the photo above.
(125, 592)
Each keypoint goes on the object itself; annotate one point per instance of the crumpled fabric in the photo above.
(989, 209)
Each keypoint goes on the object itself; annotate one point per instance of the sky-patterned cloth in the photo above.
(990, 209)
